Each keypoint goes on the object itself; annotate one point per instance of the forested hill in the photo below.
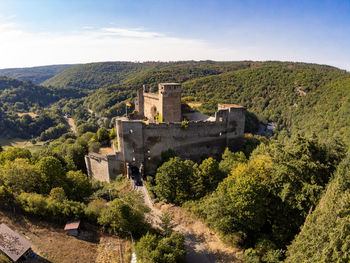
(306, 97)
(21, 95)
(297, 96)
(34, 74)
(97, 75)
(325, 234)
(107, 101)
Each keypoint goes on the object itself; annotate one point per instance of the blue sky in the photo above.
(41, 32)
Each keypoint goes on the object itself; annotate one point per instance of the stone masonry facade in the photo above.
(159, 128)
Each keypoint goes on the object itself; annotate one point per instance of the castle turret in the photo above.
(170, 102)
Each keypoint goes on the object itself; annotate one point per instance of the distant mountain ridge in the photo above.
(36, 75)
(103, 74)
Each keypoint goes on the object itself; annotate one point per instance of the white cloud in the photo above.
(19, 48)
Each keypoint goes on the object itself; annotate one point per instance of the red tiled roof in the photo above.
(72, 225)
(12, 244)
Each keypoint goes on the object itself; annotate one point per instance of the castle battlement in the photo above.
(140, 143)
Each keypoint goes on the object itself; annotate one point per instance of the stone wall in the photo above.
(103, 167)
(142, 143)
(151, 105)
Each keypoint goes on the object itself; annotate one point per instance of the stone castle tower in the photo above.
(164, 106)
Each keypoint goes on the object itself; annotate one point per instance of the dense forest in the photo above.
(36, 75)
(281, 199)
(18, 97)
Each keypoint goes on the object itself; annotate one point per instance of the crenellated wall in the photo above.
(142, 143)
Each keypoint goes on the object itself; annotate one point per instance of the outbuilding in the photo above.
(13, 245)
(72, 228)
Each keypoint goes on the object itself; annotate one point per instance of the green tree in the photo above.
(325, 235)
(121, 217)
(57, 194)
(207, 177)
(172, 181)
(230, 160)
(152, 249)
(95, 208)
(80, 185)
(14, 153)
(167, 224)
(53, 172)
(102, 134)
(19, 175)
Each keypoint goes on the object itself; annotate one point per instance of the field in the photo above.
(51, 243)
(21, 143)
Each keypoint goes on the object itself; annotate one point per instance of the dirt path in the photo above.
(196, 252)
(71, 124)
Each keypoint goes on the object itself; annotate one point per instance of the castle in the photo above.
(159, 126)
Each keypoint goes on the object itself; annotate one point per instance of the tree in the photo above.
(325, 235)
(172, 181)
(20, 175)
(121, 217)
(102, 134)
(95, 208)
(167, 224)
(14, 153)
(53, 172)
(80, 186)
(57, 194)
(230, 160)
(152, 249)
(207, 177)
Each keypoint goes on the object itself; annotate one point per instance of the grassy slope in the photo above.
(34, 74)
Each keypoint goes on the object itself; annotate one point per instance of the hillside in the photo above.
(106, 100)
(34, 74)
(17, 96)
(23, 94)
(298, 97)
(97, 75)
(325, 234)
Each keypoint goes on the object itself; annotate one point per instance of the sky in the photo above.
(46, 32)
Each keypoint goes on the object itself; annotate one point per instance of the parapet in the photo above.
(230, 107)
(169, 87)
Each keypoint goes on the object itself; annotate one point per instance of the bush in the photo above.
(153, 249)
(94, 209)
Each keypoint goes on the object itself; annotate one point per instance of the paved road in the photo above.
(196, 252)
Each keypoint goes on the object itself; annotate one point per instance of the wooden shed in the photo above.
(72, 228)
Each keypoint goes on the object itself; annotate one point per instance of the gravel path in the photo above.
(196, 252)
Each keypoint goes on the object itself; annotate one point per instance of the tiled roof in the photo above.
(72, 225)
(12, 244)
